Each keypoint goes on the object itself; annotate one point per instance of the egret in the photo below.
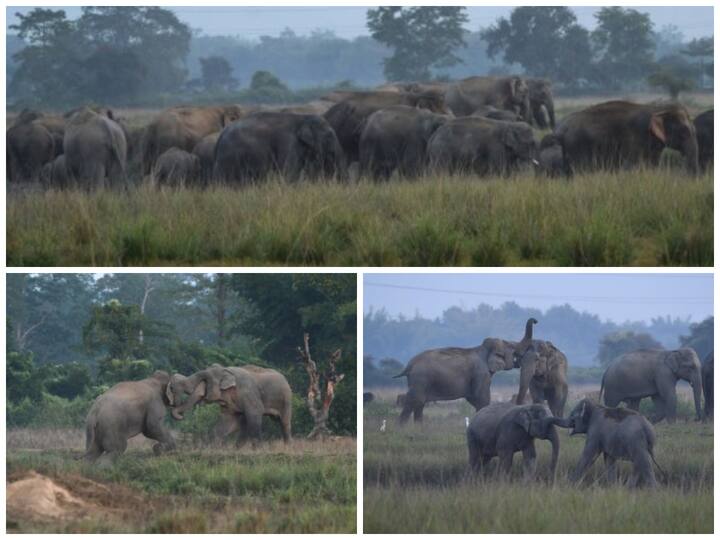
(383, 426)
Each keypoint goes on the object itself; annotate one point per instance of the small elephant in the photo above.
(177, 168)
(127, 409)
(653, 373)
(54, 174)
(488, 111)
(617, 434)
(501, 429)
(708, 383)
(550, 158)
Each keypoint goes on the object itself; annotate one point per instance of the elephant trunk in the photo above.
(696, 383)
(552, 436)
(197, 395)
(550, 106)
(527, 370)
(690, 151)
(562, 422)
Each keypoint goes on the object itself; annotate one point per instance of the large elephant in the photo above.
(510, 93)
(348, 116)
(177, 167)
(708, 384)
(482, 146)
(287, 143)
(617, 434)
(652, 373)
(183, 127)
(31, 143)
(95, 150)
(245, 395)
(541, 103)
(205, 151)
(454, 373)
(543, 370)
(488, 111)
(396, 138)
(704, 130)
(126, 410)
(620, 134)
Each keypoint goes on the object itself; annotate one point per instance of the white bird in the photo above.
(467, 422)
(383, 426)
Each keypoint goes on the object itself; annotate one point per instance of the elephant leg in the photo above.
(660, 408)
(642, 465)
(529, 461)
(666, 390)
(253, 421)
(610, 468)
(285, 424)
(633, 403)
(229, 423)
(474, 457)
(587, 458)
(506, 461)
(418, 412)
(111, 456)
(480, 394)
(156, 430)
(557, 403)
(407, 410)
(537, 392)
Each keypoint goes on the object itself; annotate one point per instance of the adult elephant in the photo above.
(653, 373)
(183, 127)
(205, 151)
(396, 138)
(704, 130)
(245, 395)
(509, 93)
(543, 370)
(454, 373)
(620, 134)
(482, 146)
(348, 116)
(30, 145)
(95, 150)
(177, 167)
(287, 143)
(708, 384)
(541, 103)
(126, 410)
(488, 111)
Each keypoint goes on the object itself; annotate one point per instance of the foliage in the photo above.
(670, 82)
(217, 73)
(21, 378)
(701, 337)
(68, 380)
(618, 343)
(422, 39)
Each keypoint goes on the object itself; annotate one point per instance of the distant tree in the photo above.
(668, 40)
(67, 380)
(701, 337)
(265, 80)
(21, 378)
(618, 343)
(702, 50)
(217, 73)
(623, 45)
(546, 41)
(112, 76)
(422, 39)
(673, 75)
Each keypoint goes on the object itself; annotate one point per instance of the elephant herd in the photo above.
(245, 394)
(502, 429)
(481, 125)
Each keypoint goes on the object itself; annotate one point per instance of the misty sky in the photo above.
(349, 22)
(617, 297)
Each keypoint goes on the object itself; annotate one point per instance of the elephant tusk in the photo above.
(536, 162)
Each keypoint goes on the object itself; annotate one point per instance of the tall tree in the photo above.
(423, 39)
(618, 343)
(217, 73)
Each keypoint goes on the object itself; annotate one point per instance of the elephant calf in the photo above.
(501, 429)
(617, 434)
(177, 167)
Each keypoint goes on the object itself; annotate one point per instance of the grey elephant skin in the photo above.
(508, 93)
(502, 429)
(33, 140)
(454, 373)
(617, 434)
(708, 382)
(348, 116)
(177, 168)
(620, 134)
(395, 139)
(541, 103)
(652, 373)
(245, 395)
(488, 111)
(54, 174)
(205, 151)
(481, 146)
(704, 130)
(550, 158)
(285, 143)
(126, 410)
(95, 150)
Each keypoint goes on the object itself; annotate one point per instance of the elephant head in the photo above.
(579, 419)
(537, 421)
(519, 141)
(498, 354)
(673, 127)
(432, 101)
(230, 114)
(541, 97)
(430, 122)
(520, 96)
(685, 364)
(321, 147)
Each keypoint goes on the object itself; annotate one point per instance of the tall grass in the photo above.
(642, 218)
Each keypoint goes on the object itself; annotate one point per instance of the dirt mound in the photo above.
(38, 496)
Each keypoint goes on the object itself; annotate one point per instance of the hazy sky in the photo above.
(617, 297)
(252, 22)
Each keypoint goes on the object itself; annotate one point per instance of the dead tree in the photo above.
(319, 404)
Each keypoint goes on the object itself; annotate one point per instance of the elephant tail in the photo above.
(662, 472)
(90, 429)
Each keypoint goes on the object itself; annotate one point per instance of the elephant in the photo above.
(550, 158)
(704, 130)
(287, 143)
(417, 87)
(652, 373)
(396, 138)
(501, 429)
(245, 395)
(488, 111)
(125, 410)
(620, 135)
(177, 167)
(95, 150)
(708, 384)
(454, 373)
(54, 174)
(508, 93)
(31, 143)
(183, 127)
(543, 369)
(482, 146)
(541, 102)
(205, 151)
(348, 116)
(617, 434)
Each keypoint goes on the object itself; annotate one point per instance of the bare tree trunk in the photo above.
(148, 289)
(221, 309)
(318, 404)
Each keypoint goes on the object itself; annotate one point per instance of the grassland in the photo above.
(306, 487)
(415, 480)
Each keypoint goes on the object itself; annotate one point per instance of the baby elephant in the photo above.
(501, 429)
(616, 433)
(177, 167)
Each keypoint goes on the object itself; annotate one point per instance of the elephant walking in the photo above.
(126, 410)
(654, 374)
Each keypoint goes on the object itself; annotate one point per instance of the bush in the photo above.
(49, 411)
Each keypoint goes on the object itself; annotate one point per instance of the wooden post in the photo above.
(318, 404)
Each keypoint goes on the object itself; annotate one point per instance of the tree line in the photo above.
(72, 336)
(147, 56)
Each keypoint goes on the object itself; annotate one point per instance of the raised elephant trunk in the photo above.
(527, 370)
(696, 383)
(197, 395)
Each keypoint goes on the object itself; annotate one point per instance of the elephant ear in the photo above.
(511, 139)
(306, 134)
(227, 380)
(657, 126)
(513, 85)
(523, 420)
(169, 394)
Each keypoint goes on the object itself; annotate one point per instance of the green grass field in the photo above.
(416, 480)
(309, 487)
